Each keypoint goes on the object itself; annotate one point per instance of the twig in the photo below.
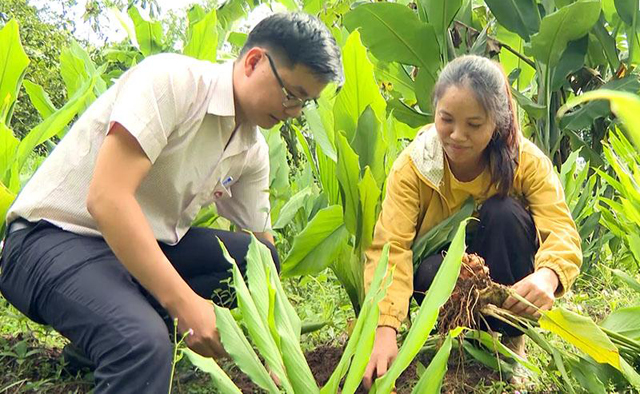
(501, 44)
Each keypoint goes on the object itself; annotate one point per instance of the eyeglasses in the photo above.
(290, 100)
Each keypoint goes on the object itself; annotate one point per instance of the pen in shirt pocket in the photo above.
(227, 181)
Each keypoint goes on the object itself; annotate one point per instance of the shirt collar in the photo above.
(222, 100)
(222, 104)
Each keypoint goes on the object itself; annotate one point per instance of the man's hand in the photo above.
(199, 316)
(538, 288)
(385, 350)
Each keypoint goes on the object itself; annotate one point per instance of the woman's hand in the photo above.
(538, 288)
(385, 350)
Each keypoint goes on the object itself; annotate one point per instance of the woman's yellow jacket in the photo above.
(421, 192)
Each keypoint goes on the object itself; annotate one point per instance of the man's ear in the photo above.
(251, 59)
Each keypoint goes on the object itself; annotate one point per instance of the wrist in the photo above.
(551, 277)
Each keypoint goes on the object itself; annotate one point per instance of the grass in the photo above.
(30, 353)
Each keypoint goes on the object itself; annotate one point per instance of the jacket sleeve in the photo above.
(560, 248)
(396, 225)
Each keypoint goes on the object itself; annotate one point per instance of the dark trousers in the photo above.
(76, 285)
(505, 238)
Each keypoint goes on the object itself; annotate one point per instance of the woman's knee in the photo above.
(503, 212)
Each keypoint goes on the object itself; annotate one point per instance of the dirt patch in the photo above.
(323, 360)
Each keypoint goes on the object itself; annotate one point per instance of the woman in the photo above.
(526, 233)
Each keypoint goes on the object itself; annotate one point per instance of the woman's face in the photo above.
(465, 130)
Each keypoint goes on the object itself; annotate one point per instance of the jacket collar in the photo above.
(427, 156)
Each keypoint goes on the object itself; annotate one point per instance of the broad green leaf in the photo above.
(278, 165)
(407, 115)
(559, 28)
(572, 59)
(581, 371)
(149, 35)
(328, 179)
(258, 330)
(240, 350)
(369, 197)
(424, 87)
(364, 324)
(348, 173)
(302, 140)
(202, 38)
(626, 9)
(431, 379)
(321, 124)
(8, 149)
(369, 145)
(533, 109)
(258, 281)
(292, 207)
(626, 278)
(318, 244)
(518, 16)
(441, 234)
(439, 13)
(54, 123)
(393, 33)
(583, 333)
(360, 88)
(76, 68)
(486, 358)
(40, 99)
(495, 345)
(607, 41)
(624, 321)
(630, 373)
(625, 105)
(395, 74)
(312, 6)
(13, 64)
(424, 322)
(237, 38)
(511, 62)
(6, 199)
(220, 379)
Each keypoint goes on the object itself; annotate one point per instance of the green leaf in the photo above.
(318, 244)
(626, 9)
(360, 88)
(292, 207)
(6, 199)
(369, 198)
(365, 324)
(559, 28)
(149, 35)
(572, 60)
(40, 99)
(258, 330)
(237, 38)
(486, 358)
(321, 124)
(625, 105)
(533, 109)
(424, 87)
(424, 322)
(626, 278)
(431, 380)
(240, 350)
(8, 150)
(202, 38)
(630, 374)
(518, 16)
(348, 173)
(624, 321)
(278, 165)
(583, 333)
(13, 65)
(369, 145)
(220, 379)
(54, 123)
(393, 33)
(440, 12)
(396, 74)
(76, 68)
(406, 114)
(441, 234)
(511, 62)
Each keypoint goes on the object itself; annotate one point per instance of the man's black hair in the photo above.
(299, 38)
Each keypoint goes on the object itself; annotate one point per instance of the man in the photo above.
(101, 234)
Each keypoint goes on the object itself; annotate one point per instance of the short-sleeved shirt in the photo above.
(181, 111)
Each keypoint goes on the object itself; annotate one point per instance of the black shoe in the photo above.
(75, 360)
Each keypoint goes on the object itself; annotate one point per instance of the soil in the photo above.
(322, 361)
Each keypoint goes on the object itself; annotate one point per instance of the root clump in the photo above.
(474, 289)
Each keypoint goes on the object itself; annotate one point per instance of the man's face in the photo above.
(273, 92)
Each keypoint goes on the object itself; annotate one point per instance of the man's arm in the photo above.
(120, 168)
(266, 236)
